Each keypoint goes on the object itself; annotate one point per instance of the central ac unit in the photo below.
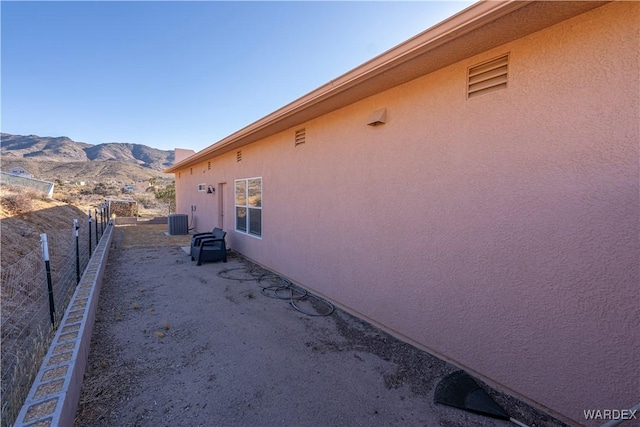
(178, 224)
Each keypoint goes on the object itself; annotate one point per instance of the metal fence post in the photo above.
(47, 267)
(90, 233)
(76, 227)
(96, 216)
(102, 220)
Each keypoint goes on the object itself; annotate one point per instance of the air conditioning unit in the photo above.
(178, 224)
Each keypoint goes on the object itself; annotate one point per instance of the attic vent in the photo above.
(239, 156)
(488, 76)
(301, 136)
(208, 165)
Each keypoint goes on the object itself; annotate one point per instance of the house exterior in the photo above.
(473, 191)
(18, 171)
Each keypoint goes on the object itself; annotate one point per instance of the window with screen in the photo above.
(248, 200)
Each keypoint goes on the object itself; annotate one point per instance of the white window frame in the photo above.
(202, 187)
(247, 206)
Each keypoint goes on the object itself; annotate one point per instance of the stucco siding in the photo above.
(500, 232)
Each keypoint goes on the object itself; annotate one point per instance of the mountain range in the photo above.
(52, 158)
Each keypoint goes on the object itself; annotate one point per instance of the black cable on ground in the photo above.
(283, 291)
(225, 274)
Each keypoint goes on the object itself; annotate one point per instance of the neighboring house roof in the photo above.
(476, 29)
(18, 170)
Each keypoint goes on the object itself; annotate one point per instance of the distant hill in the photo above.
(63, 149)
(53, 158)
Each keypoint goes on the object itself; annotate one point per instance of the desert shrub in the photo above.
(19, 203)
(17, 200)
(71, 199)
(148, 201)
(101, 189)
(167, 194)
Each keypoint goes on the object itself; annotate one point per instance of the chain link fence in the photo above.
(35, 295)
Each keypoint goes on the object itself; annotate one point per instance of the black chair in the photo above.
(197, 237)
(210, 248)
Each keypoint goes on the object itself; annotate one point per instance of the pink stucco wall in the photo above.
(499, 232)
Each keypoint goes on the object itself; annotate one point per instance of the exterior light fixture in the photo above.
(211, 190)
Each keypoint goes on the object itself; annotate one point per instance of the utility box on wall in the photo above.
(178, 224)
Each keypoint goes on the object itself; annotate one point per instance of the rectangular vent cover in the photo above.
(488, 76)
(301, 136)
(239, 156)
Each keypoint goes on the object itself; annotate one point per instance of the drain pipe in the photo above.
(518, 423)
(620, 420)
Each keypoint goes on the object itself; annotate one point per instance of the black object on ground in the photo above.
(461, 391)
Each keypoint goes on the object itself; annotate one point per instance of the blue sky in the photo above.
(183, 74)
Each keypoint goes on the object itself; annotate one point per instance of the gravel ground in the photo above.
(179, 345)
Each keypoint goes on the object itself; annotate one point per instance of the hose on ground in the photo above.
(280, 288)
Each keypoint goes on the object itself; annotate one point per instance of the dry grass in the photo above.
(17, 202)
(26, 365)
(151, 236)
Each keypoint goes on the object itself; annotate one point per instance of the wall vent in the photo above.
(208, 165)
(239, 156)
(300, 137)
(488, 76)
(378, 117)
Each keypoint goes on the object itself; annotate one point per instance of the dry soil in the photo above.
(175, 344)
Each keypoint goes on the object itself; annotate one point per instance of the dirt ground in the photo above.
(177, 344)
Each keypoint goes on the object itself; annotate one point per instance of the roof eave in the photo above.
(417, 56)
